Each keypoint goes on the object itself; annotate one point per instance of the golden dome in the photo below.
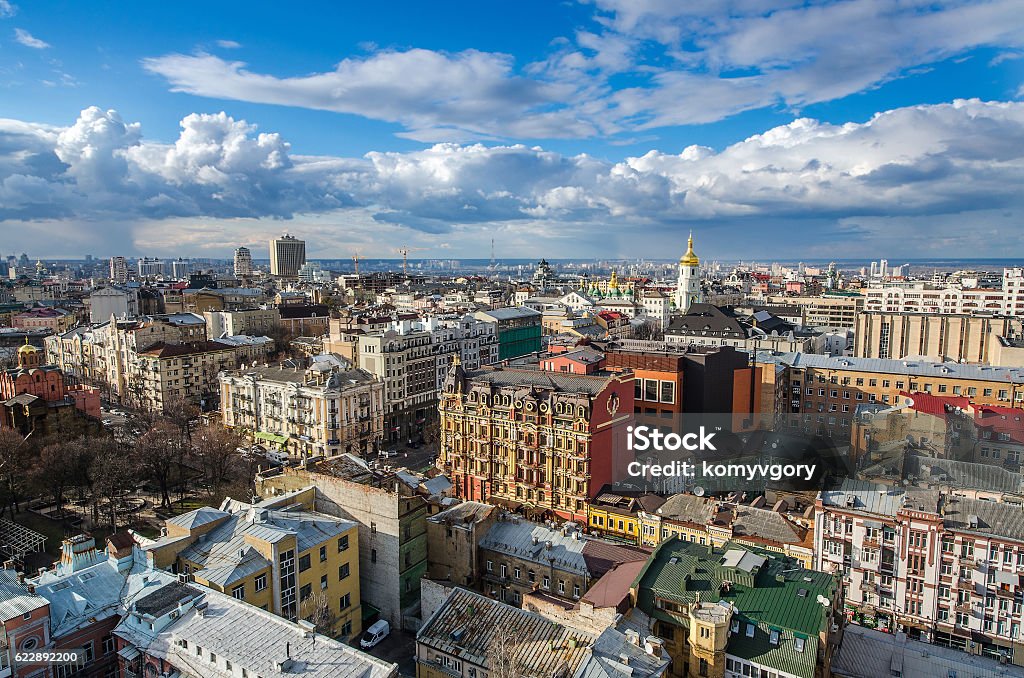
(27, 348)
(689, 259)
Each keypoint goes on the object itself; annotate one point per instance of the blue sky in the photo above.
(604, 128)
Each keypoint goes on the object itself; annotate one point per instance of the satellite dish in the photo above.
(825, 602)
(698, 491)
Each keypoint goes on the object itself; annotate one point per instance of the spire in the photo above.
(690, 258)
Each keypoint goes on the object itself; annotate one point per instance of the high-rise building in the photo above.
(149, 267)
(243, 262)
(688, 289)
(287, 255)
(118, 270)
(180, 268)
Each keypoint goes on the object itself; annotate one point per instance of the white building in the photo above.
(688, 286)
(118, 270)
(119, 302)
(922, 297)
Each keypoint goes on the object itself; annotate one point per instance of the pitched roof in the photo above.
(468, 626)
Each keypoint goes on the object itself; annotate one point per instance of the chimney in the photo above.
(633, 637)
(654, 646)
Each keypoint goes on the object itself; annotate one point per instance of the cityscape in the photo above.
(342, 341)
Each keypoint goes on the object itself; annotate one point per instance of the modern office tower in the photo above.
(118, 270)
(243, 261)
(287, 255)
(883, 267)
(180, 268)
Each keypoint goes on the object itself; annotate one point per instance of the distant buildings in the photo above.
(287, 255)
(935, 336)
(243, 262)
(118, 270)
(518, 329)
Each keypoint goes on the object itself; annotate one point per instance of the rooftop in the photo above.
(915, 368)
(538, 544)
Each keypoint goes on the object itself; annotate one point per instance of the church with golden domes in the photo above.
(688, 290)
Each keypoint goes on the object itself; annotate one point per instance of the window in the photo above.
(261, 582)
(306, 591)
(323, 582)
(668, 392)
(304, 563)
(109, 645)
(343, 571)
(373, 555)
(238, 592)
(490, 566)
(346, 628)
(798, 643)
(87, 650)
(346, 601)
(750, 630)
(323, 553)
(343, 544)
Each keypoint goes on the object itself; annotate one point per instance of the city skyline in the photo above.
(606, 130)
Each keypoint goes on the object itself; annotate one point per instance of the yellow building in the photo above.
(278, 555)
(617, 517)
(706, 521)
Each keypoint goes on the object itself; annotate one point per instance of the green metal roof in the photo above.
(768, 596)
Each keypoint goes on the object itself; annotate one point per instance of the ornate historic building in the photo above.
(532, 440)
(688, 290)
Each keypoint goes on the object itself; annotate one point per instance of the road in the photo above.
(399, 647)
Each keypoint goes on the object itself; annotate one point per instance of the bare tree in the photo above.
(649, 330)
(114, 474)
(60, 466)
(180, 412)
(504, 654)
(160, 452)
(15, 451)
(317, 610)
(216, 450)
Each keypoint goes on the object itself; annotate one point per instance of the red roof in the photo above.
(927, 403)
(1008, 420)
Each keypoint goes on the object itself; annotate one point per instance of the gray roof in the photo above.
(865, 497)
(467, 626)
(866, 653)
(15, 600)
(914, 368)
(261, 646)
(464, 512)
(993, 518)
(510, 313)
(765, 524)
(964, 474)
(515, 538)
(197, 518)
(226, 557)
(559, 381)
(606, 659)
(686, 507)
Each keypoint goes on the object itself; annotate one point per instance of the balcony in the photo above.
(869, 587)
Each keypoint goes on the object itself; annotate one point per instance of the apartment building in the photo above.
(518, 329)
(533, 440)
(940, 337)
(403, 359)
(922, 297)
(707, 325)
(320, 411)
(737, 611)
(278, 555)
(55, 320)
(391, 508)
(943, 568)
(251, 321)
(829, 310)
(167, 373)
(823, 392)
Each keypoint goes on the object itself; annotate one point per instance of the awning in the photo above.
(129, 652)
(369, 611)
(272, 437)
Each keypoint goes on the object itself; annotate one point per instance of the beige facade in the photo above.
(825, 311)
(320, 411)
(252, 321)
(959, 338)
(168, 373)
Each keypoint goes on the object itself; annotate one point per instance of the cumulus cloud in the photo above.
(434, 95)
(688, 63)
(29, 40)
(808, 182)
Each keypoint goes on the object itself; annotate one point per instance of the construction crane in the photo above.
(356, 256)
(404, 251)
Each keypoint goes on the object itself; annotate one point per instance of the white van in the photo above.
(278, 457)
(376, 633)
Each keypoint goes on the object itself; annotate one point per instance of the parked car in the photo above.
(376, 633)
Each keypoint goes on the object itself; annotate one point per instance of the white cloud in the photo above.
(228, 44)
(811, 184)
(434, 95)
(688, 63)
(29, 40)
(7, 9)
